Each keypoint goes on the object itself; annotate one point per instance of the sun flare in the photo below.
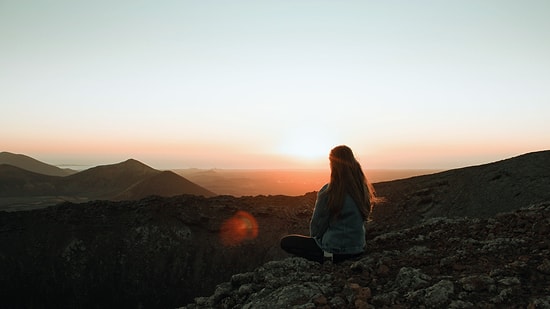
(239, 228)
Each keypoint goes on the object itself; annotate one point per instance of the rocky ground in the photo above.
(455, 239)
(500, 262)
(153, 253)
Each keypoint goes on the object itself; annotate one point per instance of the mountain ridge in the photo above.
(165, 183)
(105, 181)
(28, 163)
(21, 189)
(485, 190)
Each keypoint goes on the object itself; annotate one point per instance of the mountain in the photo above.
(107, 181)
(165, 183)
(424, 251)
(22, 190)
(33, 165)
(15, 181)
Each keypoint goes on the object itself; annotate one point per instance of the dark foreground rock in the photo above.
(153, 253)
(501, 262)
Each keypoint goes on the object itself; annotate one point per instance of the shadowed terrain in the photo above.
(452, 238)
(477, 191)
(155, 252)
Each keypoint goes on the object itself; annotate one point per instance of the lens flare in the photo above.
(241, 227)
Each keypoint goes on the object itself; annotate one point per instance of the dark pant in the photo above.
(306, 247)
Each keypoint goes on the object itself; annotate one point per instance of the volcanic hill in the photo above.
(21, 189)
(33, 165)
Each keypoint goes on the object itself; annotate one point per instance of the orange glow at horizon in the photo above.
(239, 228)
(302, 152)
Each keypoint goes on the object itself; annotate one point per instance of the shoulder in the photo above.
(323, 190)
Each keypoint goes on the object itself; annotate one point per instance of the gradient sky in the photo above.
(274, 84)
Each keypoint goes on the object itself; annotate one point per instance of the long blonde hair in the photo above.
(347, 177)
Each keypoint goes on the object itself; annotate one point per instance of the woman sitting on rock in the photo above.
(337, 226)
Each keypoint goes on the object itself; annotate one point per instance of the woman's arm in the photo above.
(320, 219)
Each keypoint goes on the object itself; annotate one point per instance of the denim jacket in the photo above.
(344, 234)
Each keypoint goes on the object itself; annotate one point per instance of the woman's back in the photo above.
(345, 232)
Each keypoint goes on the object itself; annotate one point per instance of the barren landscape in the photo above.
(473, 237)
(26, 183)
(154, 153)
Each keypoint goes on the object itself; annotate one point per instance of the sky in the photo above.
(274, 84)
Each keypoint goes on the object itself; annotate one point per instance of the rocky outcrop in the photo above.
(152, 253)
(501, 262)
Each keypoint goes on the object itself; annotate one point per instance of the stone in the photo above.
(410, 279)
(477, 283)
(544, 267)
(438, 294)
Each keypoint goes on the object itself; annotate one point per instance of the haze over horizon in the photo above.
(274, 84)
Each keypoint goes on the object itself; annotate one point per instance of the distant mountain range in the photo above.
(26, 183)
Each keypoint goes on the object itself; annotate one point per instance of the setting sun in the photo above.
(306, 146)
